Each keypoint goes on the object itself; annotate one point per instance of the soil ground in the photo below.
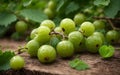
(98, 66)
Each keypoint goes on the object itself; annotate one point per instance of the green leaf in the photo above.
(112, 9)
(11, 6)
(101, 2)
(5, 60)
(34, 14)
(27, 2)
(67, 8)
(72, 5)
(54, 41)
(7, 18)
(74, 63)
(60, 4)
(78, 64)
(106, 51)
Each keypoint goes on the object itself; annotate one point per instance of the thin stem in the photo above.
(58, 33)
(21, 50)
(105, 18)
(110, 22)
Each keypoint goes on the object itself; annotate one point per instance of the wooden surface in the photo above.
(97, 65)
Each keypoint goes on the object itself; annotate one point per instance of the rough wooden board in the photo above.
(97, 65)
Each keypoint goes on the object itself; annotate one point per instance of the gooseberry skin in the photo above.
(49, 13)
(79, 18)
(112, 36)
(42, 35)
(99, 24)
(52, 5)
(48, 23)
(21, 27)
(32, 47)
(76, 38)
(87, 28)
(33, 33)
(99, 34)
(67, 25)
(93, 43)
(46, 54)
(17, 62)
(65, 49)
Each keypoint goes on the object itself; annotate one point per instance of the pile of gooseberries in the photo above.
(71, 36)
(67, 39)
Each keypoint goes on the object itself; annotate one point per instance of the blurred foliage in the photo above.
(32, 11)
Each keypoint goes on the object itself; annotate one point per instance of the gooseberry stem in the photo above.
(58, 33)
(107, 18)
(21, 50)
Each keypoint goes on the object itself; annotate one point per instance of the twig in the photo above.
(110, 22)
(106, 18)
(58, 33)
(21, 50)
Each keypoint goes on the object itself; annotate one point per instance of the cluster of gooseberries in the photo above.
(70, 37)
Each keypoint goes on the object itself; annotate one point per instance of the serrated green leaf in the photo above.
(35, 15)
(111, 52)
(7, 18)
(82, 66)
(74, 63)
(5, 60)
(71, 7)
(112, 9)
(11, 6)
(106, 51)
(78, 64)
(101, 2)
